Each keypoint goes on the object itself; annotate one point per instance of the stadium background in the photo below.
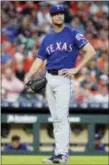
(24, 24)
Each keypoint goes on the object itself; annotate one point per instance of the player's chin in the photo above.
(59, 23)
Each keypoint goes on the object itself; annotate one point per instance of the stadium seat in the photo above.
(46, 148)
(44, 137)
(107, 148)
(18, 130)
(77, 149)
(105, 138)
(80, 138)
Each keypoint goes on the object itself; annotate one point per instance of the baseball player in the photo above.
(60, 48)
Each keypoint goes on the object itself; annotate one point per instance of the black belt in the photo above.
(53, 71)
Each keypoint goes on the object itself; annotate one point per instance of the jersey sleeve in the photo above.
(79, 39)
(42, 51)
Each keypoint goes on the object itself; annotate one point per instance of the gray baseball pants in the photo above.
(58, 91)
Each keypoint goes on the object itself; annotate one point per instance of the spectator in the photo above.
(102, 62)
(88, 81)
(102, 95)
(98, 145)
(16, 145)
(6, 60)
(93, 69)
(11, 85)
(103, 80)
(43, 14)
(20, 73)
(77, 24)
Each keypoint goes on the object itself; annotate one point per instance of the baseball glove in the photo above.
(38, 84)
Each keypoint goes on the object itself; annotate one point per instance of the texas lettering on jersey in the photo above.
(59, 46)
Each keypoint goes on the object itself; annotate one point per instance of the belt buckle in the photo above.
(54, 72)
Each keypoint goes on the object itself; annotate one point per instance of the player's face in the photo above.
(58, 19)
(15, 143)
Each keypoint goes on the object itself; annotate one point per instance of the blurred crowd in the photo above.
(24, 25)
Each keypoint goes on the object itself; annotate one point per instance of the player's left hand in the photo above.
(68, 72)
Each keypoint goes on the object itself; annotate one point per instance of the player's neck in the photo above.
(58, 28)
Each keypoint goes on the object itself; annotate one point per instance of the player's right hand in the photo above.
(27, 78)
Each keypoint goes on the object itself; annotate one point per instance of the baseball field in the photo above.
(37, 160)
